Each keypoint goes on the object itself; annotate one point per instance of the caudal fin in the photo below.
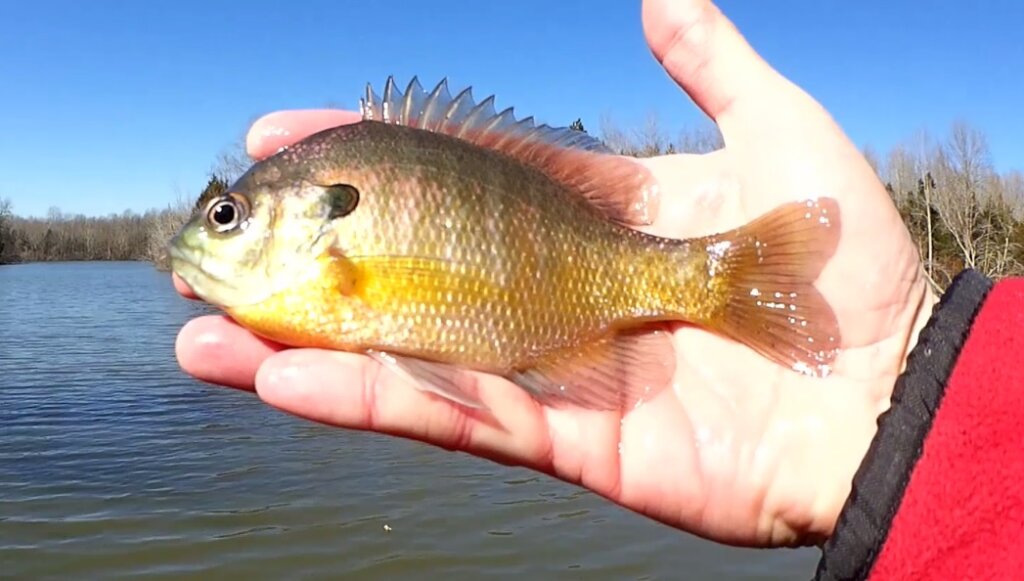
(770, 266)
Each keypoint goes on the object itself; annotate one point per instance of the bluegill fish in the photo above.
(439, 236)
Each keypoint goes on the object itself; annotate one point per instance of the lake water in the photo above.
(115, 463)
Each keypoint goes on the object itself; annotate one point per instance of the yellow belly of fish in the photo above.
(319, 311)
(420, 310)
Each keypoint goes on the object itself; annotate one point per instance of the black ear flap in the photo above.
(341, 199)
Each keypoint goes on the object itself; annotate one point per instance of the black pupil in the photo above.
(224, 213)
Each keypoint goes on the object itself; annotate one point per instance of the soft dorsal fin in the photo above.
(621, 188)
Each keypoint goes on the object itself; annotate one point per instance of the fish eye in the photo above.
(227, 212)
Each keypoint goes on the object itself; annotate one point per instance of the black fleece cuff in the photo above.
(882, 478)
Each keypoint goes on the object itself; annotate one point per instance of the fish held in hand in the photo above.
(439, 236)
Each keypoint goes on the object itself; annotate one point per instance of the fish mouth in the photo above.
(187, 263)
(187, 267)
(214, 288)
(180, 257)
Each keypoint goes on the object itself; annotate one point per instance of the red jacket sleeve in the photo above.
(940, 494)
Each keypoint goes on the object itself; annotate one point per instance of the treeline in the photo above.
(126, 236)
(959, 210)
(64, 237)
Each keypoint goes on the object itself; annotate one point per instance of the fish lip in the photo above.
(185, 264)
(179, 255)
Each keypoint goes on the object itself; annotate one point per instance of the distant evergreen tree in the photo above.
(47, 249)
(577, 125)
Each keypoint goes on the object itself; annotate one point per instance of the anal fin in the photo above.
(612, 374)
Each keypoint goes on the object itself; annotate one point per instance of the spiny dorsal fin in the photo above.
(462, 116)
(620, 187)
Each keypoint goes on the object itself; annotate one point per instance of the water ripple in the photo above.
(113, 463)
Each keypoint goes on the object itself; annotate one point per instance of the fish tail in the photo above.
(766, 271)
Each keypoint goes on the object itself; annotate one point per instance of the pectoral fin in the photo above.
(380, 278)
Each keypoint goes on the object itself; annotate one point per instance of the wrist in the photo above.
(852, 441)
(925, 312)
(933, 348)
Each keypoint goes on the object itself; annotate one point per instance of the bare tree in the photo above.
(232, 161)
(907, 171)
(703, 139)
(651, 139)
(970, 205)
(615, 138)
(902, 169)
(6, 214)
(1012, 186)
(955, 167)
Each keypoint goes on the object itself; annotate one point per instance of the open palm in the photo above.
(738, 450)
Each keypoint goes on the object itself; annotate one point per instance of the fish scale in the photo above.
(519, 254)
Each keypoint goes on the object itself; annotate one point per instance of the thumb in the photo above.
(703, 52)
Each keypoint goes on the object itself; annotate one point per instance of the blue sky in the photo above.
(112, 105)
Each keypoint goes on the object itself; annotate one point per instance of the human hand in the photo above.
(739, 450)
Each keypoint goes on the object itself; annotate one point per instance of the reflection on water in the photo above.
(112, 462)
